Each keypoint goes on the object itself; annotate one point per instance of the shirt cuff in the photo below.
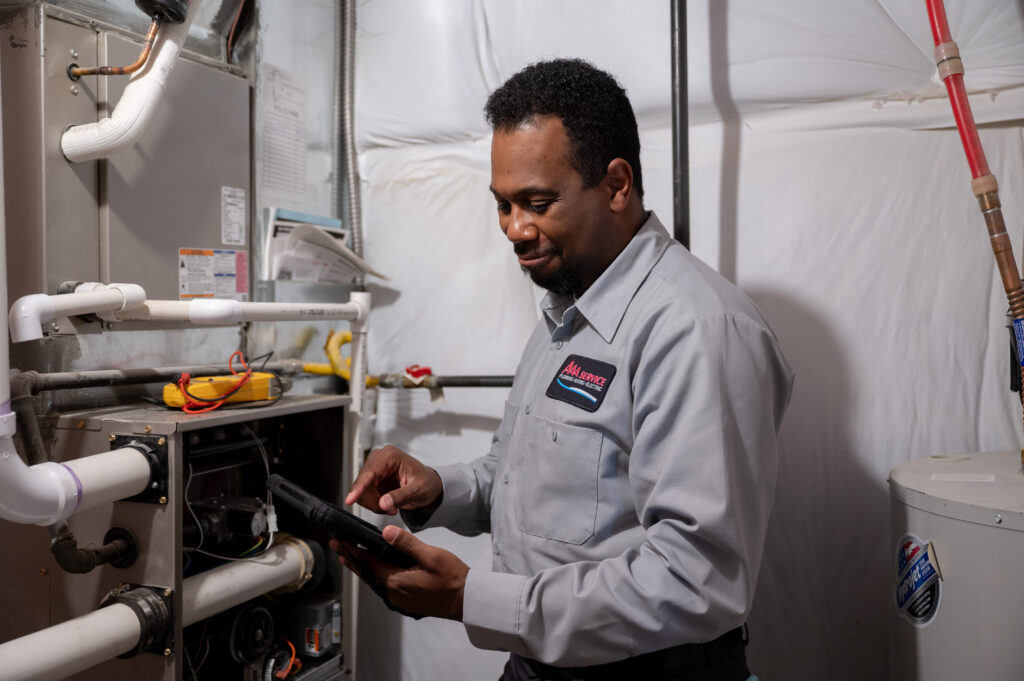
(456, 488)
(491, 610)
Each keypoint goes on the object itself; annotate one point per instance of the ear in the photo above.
(618, 181)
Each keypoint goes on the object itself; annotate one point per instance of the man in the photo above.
(628, 488)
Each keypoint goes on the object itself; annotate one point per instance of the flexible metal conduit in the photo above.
(984, 185)
(345, 124)
(78, 644)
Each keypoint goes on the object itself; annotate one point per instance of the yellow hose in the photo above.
(337, 367)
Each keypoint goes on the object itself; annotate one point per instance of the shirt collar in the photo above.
(605, 302)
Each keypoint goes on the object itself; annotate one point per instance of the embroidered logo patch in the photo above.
(582, 382)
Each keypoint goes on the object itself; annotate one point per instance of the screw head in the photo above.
(167, 592)
(80, 424)
(163, 500)
(148, 429)
(154, 484)
(112, 437)
(162, 441)
(42, 572)
(998, 519)
(167, 652)
(74, 89)
(74, 53)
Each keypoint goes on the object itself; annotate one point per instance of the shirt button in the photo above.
(558, 345)
(505, 479)
(497, 550)
(526, 409)
(554, 436)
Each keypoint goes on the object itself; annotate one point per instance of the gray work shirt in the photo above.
(628, 488)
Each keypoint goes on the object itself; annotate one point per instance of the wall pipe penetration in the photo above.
(78, 644)
(983, 184)
(135, 109)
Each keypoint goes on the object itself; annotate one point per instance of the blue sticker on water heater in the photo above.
(917, 591)
(1018, 331)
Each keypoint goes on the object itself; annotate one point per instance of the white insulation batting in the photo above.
(826, 179)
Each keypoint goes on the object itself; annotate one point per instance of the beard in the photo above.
(561, 282)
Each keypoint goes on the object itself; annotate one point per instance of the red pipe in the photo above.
(958, 96)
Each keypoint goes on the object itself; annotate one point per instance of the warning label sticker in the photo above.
(918, 588)
(213, 273)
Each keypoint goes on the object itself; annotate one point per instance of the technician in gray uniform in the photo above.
(628, 489)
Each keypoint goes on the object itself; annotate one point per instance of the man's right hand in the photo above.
(391, 480)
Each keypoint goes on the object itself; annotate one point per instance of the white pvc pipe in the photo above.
(70, 647)
(73, 646)
(28, 313)
(357, 384)
(208, 311)
(130, 118)
(49, 492)
(288, 562)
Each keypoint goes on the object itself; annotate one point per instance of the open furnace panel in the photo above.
(214, 499)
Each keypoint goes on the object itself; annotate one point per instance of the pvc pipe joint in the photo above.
(29, 313)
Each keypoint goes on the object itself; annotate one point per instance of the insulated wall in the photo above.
(826, 180)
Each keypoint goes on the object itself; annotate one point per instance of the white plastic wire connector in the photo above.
(271, 519)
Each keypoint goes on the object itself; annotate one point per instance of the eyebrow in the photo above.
(526, 191)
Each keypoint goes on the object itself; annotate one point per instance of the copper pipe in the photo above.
(76, 72)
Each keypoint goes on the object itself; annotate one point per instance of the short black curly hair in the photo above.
(593, 107)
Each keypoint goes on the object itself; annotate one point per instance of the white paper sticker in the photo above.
(283, 130)
(962, 477)
(232, 216)
(213, 273)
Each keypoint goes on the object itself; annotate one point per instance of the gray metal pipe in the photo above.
(680, 127)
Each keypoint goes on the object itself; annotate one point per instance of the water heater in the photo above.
(956, 565)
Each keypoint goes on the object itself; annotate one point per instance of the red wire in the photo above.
(958, 96)
(190, 406)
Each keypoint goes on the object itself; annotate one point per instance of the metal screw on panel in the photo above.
(74, 89)
(154, 484)
(112, 437)
(163, 500)
(167, 652)
(167, 592)
(162, 441)
(42, 572)
(148, 429)
(999, 519)
(74, 53)
(80, 424)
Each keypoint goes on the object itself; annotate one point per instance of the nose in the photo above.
(518, 225)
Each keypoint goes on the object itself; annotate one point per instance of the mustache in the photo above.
(530, 251)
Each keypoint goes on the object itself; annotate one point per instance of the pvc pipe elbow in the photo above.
(44, 494)
(27, 315)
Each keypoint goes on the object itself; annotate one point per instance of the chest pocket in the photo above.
(556, 472)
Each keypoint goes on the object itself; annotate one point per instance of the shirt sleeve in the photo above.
(708, 400)
(466, 497)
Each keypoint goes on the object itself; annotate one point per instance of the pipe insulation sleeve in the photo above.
(287, 564)
(131, 116)
(70, 647)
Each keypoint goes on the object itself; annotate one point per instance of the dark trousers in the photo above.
(723, 659)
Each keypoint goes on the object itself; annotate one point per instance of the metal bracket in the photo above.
(154, 447)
